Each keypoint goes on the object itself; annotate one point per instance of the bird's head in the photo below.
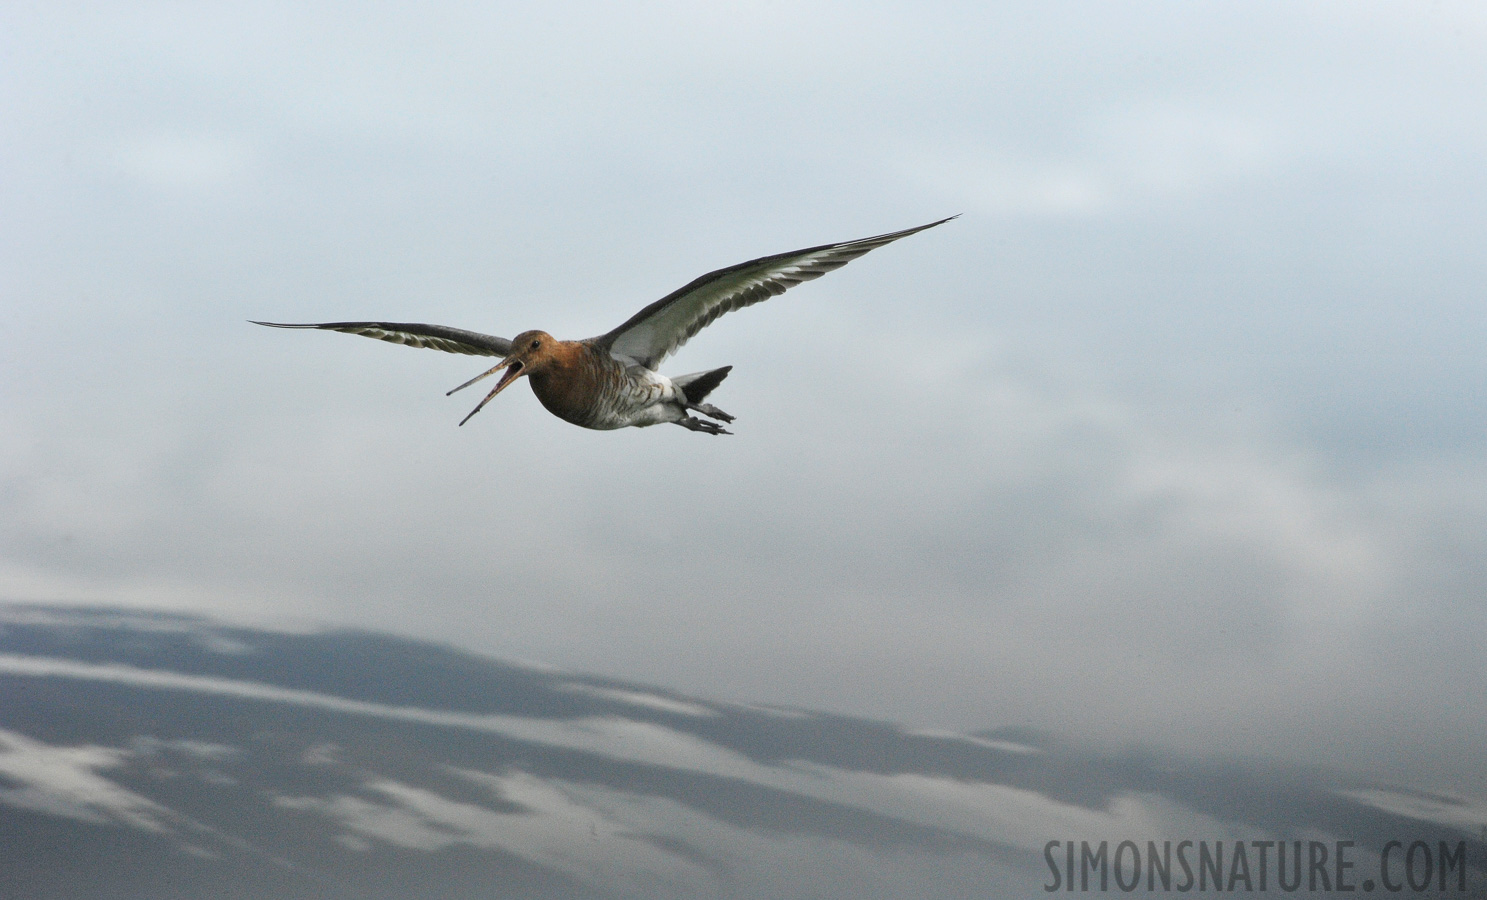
(531, 351)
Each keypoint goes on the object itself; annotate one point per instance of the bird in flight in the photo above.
(611, 381)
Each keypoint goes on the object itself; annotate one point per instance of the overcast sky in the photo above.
(1175, 437)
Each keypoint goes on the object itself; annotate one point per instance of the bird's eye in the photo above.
(536, 344)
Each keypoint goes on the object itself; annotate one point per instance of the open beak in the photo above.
(514, 369)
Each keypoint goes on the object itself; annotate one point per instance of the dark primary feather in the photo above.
(414, 334)
(655, 332)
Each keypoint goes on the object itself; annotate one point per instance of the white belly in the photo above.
(639, 397)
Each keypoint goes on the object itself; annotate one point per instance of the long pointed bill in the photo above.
(511, 375)
(486, 374)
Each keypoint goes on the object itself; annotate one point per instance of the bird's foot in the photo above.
(707, 409)
(695, 424)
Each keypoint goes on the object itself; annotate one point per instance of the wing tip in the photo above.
(881, 239)
(910, 231)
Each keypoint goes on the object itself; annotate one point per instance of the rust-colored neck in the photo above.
(570, 379)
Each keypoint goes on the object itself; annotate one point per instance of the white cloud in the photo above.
(551, 828)
(1456, 812)
(65, 781)
(641, 698)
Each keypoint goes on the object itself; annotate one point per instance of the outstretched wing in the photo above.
(434, 337)
(658, 330)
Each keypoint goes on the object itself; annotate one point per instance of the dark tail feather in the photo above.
(699, 384)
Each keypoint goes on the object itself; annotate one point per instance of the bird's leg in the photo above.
(693, 423)
(707, 409)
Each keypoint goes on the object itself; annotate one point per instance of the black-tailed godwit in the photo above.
(611, 381)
